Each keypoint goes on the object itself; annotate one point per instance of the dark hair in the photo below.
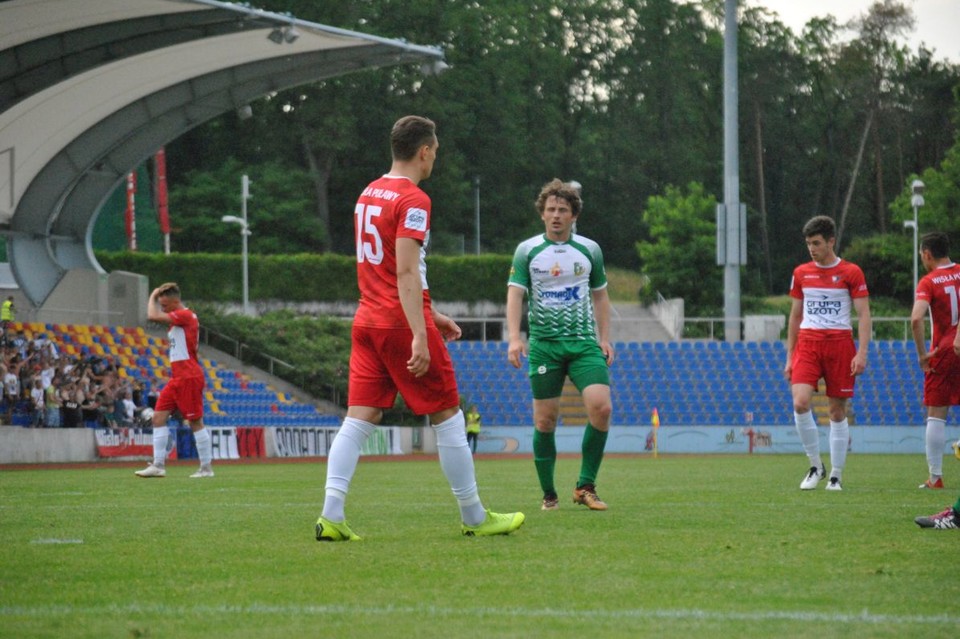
(937, 243)
(409, 134)
(820, 225)
(563, 190)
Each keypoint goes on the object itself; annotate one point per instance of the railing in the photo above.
(883, 327)
(273, 365)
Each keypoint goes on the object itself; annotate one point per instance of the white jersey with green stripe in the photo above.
(558, 278)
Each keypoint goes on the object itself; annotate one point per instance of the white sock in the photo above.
(809, 436)
(160, 436)
(457, 465)
(839, 440)
(936, 439)
(342, 463)
(204, 446)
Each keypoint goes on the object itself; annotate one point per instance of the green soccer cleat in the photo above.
(329, 531)
(494, 524)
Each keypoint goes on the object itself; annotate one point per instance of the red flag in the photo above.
(130, 218)
(160, 171)
(655, 418)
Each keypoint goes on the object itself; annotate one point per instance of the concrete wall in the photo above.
(85, 296)
(24, 445)
(39, 445)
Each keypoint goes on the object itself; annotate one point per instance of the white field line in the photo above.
(682, 614)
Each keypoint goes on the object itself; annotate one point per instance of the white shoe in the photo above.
(151, 471)
(813, 477)
(203, 472)
(834, 484)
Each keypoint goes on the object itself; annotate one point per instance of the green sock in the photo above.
(956, 506)
(594, 442)
(545, 459)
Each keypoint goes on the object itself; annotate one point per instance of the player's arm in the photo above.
(917, 320)
(864, 332)
(410, 290)
(793, 330)
(154, 312)
(601, 311)
(516, 347)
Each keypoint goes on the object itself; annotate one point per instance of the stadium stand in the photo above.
(698, 383)
(231, 399)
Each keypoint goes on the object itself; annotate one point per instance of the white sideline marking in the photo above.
(637, 613)
(57, 541)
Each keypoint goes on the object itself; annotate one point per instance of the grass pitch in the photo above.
(724, 546)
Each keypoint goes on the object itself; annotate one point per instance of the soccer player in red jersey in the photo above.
(938, 291)
(820, 344)
(184, 391)
(398, 338)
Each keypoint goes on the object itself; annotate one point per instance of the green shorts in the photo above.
(551, 362)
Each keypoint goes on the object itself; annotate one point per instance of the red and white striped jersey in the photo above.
(827, 293)
(389, 208)
(939, 288)
(184, 334)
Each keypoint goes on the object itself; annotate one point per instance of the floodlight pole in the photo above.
(476, 212)
(916, 201)
(244, 234)
(731, 215)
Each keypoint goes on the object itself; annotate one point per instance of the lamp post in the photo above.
(244, 233)
(476, 213)
(916, 201)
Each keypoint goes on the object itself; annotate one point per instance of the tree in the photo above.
(679, 260)
(279, 211)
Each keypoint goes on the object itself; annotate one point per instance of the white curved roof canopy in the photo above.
(88, 90)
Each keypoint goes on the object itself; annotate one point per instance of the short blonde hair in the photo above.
(169, 289)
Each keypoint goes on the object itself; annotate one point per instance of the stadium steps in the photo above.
(572, 412)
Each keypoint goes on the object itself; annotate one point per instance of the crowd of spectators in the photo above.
(58, 390)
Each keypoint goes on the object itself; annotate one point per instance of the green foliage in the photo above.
(317, 347)
(680, 258)
(625, 97)
(234, 557)
(887, 263)
(279, 211)
(305, 278)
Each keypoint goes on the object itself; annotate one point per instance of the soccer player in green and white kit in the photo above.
(569, 317)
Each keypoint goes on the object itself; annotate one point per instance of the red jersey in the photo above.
(184, 334)
(827, 293)
(939, 288)
(389, 208)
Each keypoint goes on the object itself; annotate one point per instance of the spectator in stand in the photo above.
(11, 391)
(52, 403)
(72, 413)
(129, 409)
(7, 316)
(36, 403)
(90, 410)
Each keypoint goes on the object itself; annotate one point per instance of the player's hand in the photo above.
(858, 364)
(448, 328)
(607, 349)
(515, 350)
(419, 361)
(925, 360)
(787, 369)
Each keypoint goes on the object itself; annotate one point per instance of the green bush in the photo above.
(304, 277)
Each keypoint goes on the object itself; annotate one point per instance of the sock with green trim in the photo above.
(545, 459)
(594, 441)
